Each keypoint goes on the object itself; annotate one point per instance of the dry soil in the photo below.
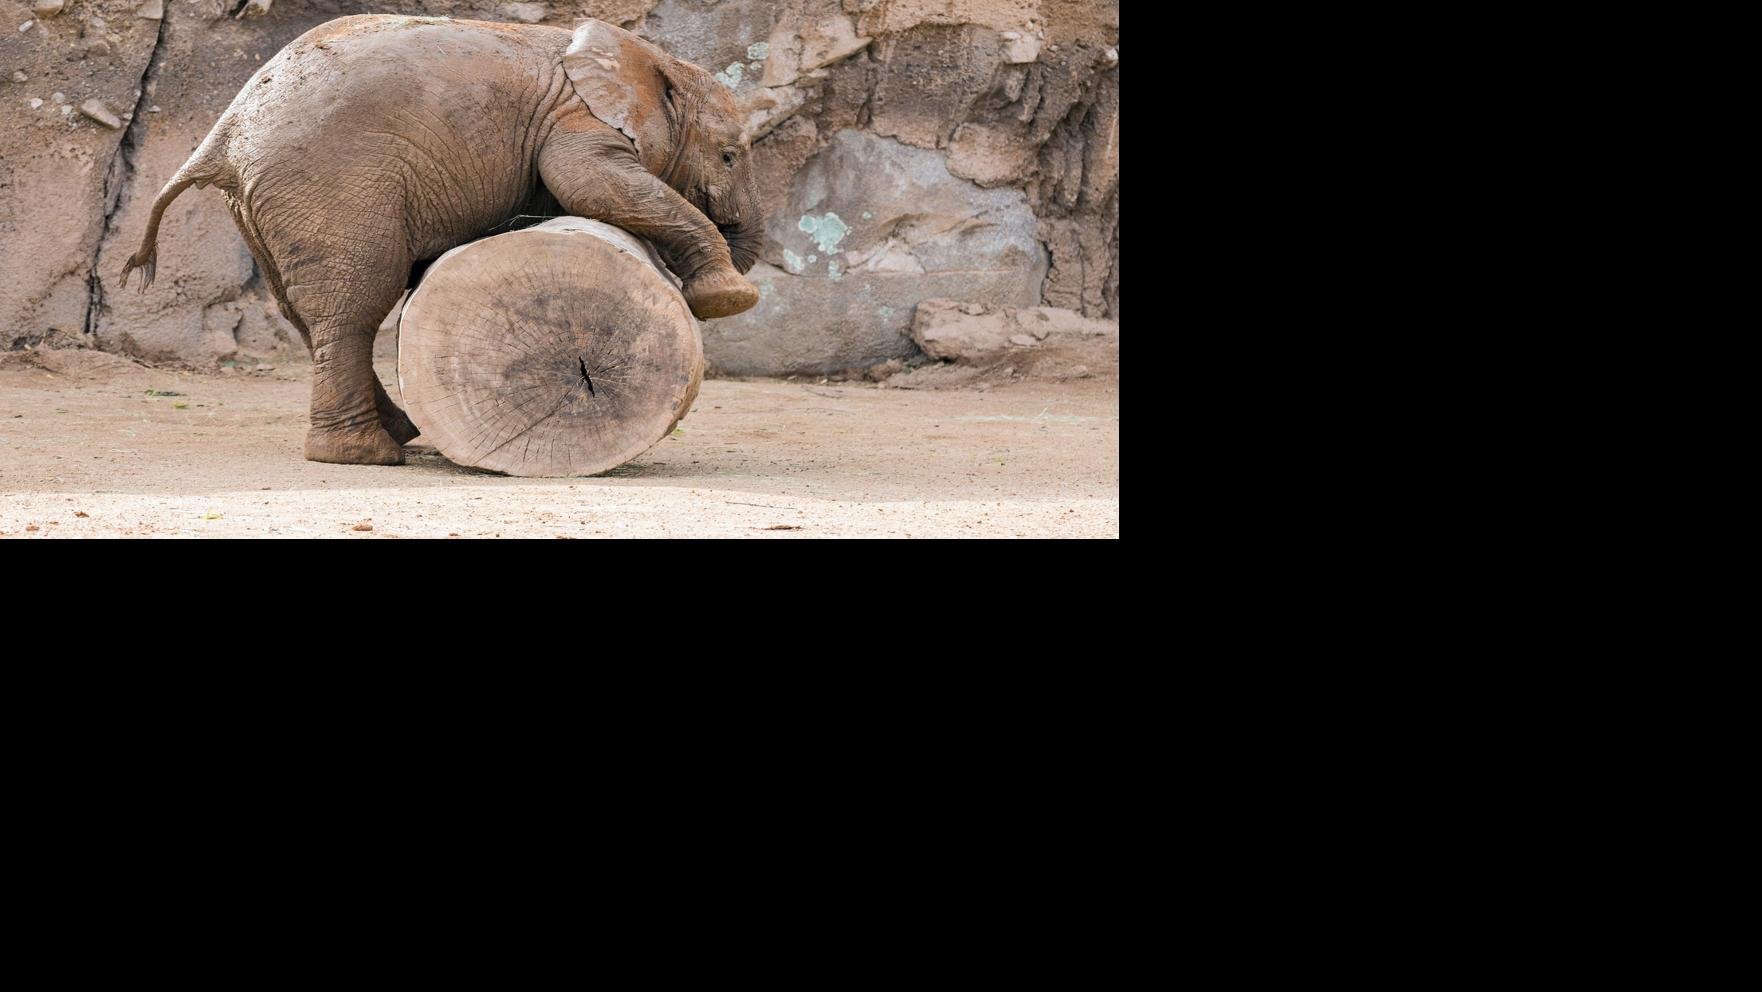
(92, 445)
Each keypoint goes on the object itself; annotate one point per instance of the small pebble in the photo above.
(58, 97)
(20, 77)
(96, 110)
(26, 26)
(35, 103)
(526, 13)
(153, 109)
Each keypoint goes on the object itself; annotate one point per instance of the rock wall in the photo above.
(907, 150)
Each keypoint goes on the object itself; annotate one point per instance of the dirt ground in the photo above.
(92, 445)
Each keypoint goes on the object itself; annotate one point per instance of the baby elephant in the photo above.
(373, 142)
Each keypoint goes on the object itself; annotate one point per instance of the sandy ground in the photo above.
(87, 451)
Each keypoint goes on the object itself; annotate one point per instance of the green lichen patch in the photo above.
(826, 231)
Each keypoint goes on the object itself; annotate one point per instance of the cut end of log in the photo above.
(563, 349)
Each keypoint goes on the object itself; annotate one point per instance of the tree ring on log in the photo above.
(559, 350)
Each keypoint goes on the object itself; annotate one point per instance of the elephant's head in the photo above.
(685, 125)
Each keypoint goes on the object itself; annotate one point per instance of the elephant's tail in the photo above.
(206, 165)
(147, 258)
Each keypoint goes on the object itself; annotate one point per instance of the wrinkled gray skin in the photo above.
(373, 142)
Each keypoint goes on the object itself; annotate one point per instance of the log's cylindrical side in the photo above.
(562, 349)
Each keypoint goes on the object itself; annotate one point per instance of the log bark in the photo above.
(559, 350)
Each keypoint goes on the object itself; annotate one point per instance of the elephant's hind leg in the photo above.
(266, 267)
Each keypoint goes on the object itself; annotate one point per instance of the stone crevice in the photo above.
(120, 173)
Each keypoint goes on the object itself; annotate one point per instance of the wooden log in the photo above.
(562, 349)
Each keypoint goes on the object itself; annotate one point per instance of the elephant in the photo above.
(374, 143)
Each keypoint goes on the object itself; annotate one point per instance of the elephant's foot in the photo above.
(369, 445)
(719, 291)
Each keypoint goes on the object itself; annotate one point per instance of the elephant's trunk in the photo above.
(743, 240)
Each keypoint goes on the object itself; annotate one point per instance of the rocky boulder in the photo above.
(954, 330)
(980, 345)
(869, 228)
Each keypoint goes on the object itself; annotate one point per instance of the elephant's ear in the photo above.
(621, 79)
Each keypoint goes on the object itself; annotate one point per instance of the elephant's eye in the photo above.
(728, 159)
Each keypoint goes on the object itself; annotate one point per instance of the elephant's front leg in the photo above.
(592, 177)
(346, 424)
(342, 297)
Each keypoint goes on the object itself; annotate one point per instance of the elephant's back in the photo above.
(363, 32)
(376, 64)
(429, 110)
